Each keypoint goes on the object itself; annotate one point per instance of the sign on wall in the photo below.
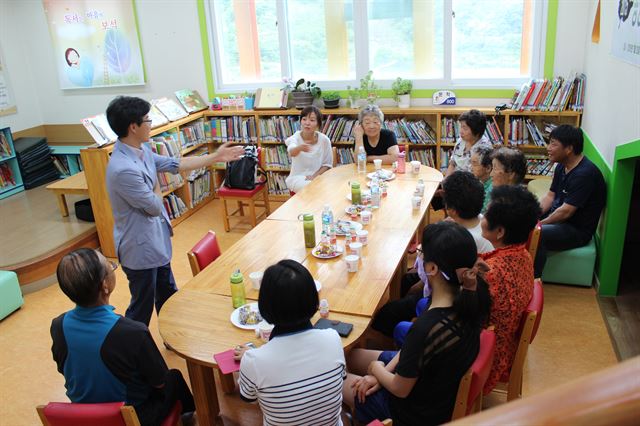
(7, 104)
(95, 43)
(626, 32)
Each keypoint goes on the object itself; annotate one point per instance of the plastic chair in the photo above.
(104, 414)
(469, 398)
(527, 332)
(203, 253)
(245, 197)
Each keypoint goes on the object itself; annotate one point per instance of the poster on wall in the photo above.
(626, 32)
(7, 104)
(95, 43)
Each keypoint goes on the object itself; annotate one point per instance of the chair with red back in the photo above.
(469, 398)
(526, 333)
(534, 240)
(245, 197)
(203, 253)
(104, 414)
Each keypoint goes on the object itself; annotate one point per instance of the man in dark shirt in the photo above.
(571, 209)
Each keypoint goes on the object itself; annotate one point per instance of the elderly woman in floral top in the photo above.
(473, 123)
(512, 213)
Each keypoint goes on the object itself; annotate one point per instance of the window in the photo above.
(436, 43)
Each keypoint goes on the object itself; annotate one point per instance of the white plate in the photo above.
(339, 251)
(365, 192)
(382, 182)
(351, 223)
(235, 318)
(382, 174)
(318, 285)
(347, 209)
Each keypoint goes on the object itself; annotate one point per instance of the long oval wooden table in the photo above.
(195, 323)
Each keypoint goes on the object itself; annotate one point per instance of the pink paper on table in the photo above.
(226, 363)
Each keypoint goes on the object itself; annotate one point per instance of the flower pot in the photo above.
(404, 101)
(302, 99)
(331, 104)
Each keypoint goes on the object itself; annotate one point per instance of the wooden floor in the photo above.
(572, 340)
(31, 225)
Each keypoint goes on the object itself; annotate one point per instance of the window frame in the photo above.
(361, 45)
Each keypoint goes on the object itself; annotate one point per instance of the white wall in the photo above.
(612, 97)
(170, 39)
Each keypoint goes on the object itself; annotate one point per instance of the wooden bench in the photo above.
(76, 184)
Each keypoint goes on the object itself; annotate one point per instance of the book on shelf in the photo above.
(236, 129)
(174, 206)
(445, 156)
(157, 118)
(200, 188)
(345, 155)
(449, 130)
(169, 108)
(193, 134)
(414, 132)
(270, 98)
(424, 156)
(5, 146)
(276, 157)
(168, 181)
(339, 129)
(99, 129)
(559, 94)
(539, 165)
(493, 132)
(6, 176)
(191, 100)
(279, 128)
(60, 163)
(524, 131)
(276, 183)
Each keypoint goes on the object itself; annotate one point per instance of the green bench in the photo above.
(10, 294)
(573, 266)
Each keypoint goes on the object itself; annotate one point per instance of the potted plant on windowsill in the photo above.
(303, 92)
(368, 88)
(331, 100)
(402, 92)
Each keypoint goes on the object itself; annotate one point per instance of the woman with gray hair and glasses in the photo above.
(378, 143)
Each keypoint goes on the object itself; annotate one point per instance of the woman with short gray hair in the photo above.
(378, 143)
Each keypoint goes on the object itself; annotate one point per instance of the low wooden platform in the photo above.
(76, 184)
(34, 236)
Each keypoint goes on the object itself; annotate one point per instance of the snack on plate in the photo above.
(343, 227)
(324, 249)
(247, 316)
(357, 208)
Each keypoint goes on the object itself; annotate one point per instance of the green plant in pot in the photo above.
(402, 92)
(303, 92)
(331, 100)
(354, 95)
(368, 88)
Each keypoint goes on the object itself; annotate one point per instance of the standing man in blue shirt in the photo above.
(571, 209)
(142, 230)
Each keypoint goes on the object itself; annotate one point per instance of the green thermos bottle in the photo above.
(309, 227)
(356, 195)
(237, 289)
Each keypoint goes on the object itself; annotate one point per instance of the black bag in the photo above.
(243, 173)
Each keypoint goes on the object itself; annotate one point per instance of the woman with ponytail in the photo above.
(418, 384)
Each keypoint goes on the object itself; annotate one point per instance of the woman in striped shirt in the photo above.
(297, 376)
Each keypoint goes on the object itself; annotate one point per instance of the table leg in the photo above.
(203, 386)
(62, 205)
(228, 382)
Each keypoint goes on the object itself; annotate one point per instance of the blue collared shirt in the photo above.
(142, 228)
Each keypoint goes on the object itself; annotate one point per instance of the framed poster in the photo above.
(626, 32)
(95, 43)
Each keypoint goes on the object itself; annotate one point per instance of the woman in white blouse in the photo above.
(309, 149)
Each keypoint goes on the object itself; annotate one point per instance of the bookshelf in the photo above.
(66, 159)
(10, 177)
(420, 130)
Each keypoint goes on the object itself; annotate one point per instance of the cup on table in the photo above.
(363, 237)
(265, 330)
(416, 202)
(415, 167)
(365, 217)
(377, 163)
(352, 262)
(256, 279)
(355, 248)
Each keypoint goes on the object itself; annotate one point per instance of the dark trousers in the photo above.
(557, 237)
(148, 286)
(154, 410)
(395, 311)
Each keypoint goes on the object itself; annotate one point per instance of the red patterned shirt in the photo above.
(510, 283)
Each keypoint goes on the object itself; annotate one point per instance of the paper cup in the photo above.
(352, 262)
(415, 167)
(265, 330)
(416, 202)
(377, 163)
(365, 217)
(256, 279)
(363, 237)
(355, 248)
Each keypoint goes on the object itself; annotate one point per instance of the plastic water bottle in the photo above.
(362, 160)
(324, 308)
(237, 289)
(375, 194)
(327, 219)
(401, 163)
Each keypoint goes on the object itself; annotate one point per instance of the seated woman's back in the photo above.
(296, 378)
